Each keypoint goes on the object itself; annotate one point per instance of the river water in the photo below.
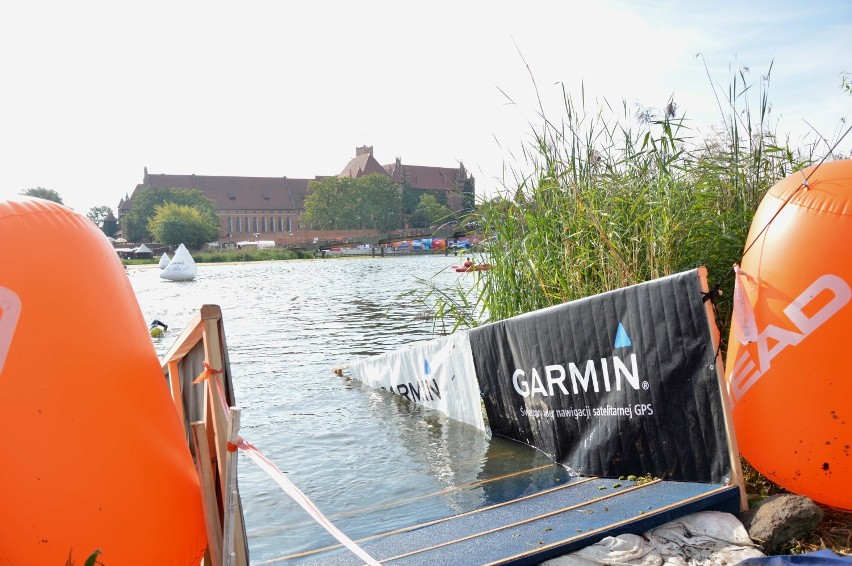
(370, 461)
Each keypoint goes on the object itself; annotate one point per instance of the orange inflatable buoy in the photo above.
(790, 383)
(96, 458)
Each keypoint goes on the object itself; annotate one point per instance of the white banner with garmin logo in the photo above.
(438, 374)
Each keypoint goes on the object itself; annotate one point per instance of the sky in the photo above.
(91, 93)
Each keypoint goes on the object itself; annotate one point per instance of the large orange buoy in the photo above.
(792, 387)
(95, 456)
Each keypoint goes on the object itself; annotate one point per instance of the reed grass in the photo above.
(611, 198)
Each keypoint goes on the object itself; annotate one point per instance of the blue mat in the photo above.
(537, 526)
(818, 558)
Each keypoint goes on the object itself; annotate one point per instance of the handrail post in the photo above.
(231, 495)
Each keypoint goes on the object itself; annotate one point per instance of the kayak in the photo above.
(480, 267)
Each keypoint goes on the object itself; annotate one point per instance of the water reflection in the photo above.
(369, 460)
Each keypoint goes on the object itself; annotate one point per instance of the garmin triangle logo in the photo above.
(622, 340)
(426, 369)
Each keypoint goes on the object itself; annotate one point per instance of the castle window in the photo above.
(230, 225)
(264, 223)
(289, 226)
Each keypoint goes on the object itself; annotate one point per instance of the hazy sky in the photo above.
(93, 92)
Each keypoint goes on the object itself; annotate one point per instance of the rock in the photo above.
(780, 518)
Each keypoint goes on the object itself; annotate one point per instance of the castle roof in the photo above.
(362, 164)
(424, 176)
(239, 193)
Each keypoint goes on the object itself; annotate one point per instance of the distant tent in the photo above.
(143, 251)
(181, 267)
(164, 260)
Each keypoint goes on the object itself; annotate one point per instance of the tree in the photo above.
(174, 224)
(379, 202)
(429, 212)
(343, 203)
(411, 197)
(327, 201)
(98, 214)
(145, 201)
(41, 192)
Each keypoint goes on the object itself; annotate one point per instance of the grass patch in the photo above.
(234, 255)
(238, 255)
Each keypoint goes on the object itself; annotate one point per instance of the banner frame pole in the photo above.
(733, 448)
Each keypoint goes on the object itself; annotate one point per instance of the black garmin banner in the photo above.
(616, 384)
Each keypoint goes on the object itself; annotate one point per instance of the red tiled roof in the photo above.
(425, 177)
(240, 193)
(364, 164)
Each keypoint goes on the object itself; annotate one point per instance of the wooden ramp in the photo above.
(533, 527)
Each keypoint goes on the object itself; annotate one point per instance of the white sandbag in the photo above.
(623, 550)
(706, 538)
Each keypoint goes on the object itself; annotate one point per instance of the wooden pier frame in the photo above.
(211, 428)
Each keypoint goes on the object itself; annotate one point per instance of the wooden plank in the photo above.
(216, 417)
(220, 429)
(240, 540)
(177, 393)
(231, 490)
(727, 406)
(209, 500)
(206, 328)
(191, 335)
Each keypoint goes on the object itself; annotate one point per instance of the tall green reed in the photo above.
(609, 198)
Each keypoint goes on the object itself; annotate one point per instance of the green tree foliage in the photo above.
(343, 203)
(174, 224)
(98, 214)
(145, 201)
(327, 203)
(41, 192)
(379, 203)
(429, 212)
(411, 198)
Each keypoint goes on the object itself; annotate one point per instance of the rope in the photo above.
(715, 290)
(299, 497)
(208, 371)
(278, 476)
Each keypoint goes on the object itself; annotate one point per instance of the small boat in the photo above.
(468, 265)
(479, 267)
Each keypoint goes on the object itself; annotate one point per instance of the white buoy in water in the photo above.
(181, 267)
(164, 260)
